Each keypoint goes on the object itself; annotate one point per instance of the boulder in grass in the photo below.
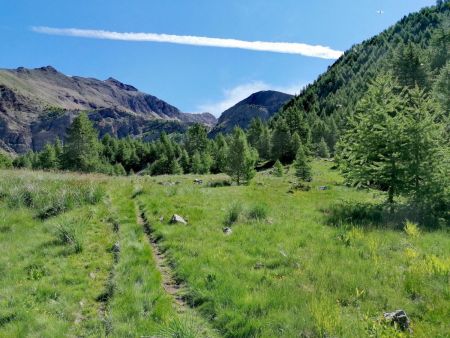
(398, 317)
(198, 181)
(227, 230)
(177, 219)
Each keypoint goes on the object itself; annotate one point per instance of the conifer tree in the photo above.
(47, 157)
(281, 141)
(295, 144)
(220, 154)
(81, 150)
(302, 165)
(196, 139)
(254, 132)
(185, 161)
(408, 67)
(370, 152)
(241, 158)
(322, 149)
(264, 145)
(196, 163)
(278, 169)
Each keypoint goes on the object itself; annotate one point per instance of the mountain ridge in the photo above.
(29, 98)
(263, 104)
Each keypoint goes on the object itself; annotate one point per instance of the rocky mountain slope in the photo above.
(37, 105)
(263, 104)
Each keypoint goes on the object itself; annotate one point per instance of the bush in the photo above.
(219, 183)
(258, 212)
(233, 214)
(67, 234)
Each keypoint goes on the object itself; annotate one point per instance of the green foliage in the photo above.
(322, 149)
(281, 142)
(395, 143)
(233, 214)
(241, 158)
(196, 139)
(81, 150)
(302, 165)
(258, 212)
(408, 68)
(278, 169)
(5, 161)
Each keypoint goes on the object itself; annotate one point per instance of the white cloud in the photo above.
(234, 95)
(277, 47)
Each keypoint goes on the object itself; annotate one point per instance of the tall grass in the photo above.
(49, 196)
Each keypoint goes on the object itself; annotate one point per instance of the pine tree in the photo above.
(48, 158)
(119, 170)
(254, 132)
(241, 158)
(196, 139)
(422, 141)
(81, 150)
(371, 151)
(296, 142)
(278, 169)
(322, 149)
(408, 67)
(264, 145)
(59, 152)
(185, 161)
(5, 161)
(220, 154)
(281, 141)
(302, 165)
(196, 163)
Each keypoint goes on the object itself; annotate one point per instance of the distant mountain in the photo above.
(37, 105)
(262, 104)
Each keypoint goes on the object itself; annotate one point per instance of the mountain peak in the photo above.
(48, 69)
(120, 85)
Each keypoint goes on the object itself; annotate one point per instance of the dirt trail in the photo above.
(170, 285)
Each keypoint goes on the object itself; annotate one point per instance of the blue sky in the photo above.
(193, 78)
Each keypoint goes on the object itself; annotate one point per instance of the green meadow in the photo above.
(97, 256)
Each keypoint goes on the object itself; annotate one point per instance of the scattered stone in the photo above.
(167, 184)
(116, 247)
(198, 181)
(324, 187)
(398, 317)
(259, 265)
(227, 230)
(161, 219)
(92, 275)
(177, 219)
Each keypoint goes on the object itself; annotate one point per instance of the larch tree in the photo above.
(241, 158)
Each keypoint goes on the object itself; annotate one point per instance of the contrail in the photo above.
(276, 47)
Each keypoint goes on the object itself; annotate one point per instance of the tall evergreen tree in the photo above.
(196, 139)
(81, 150)
(241, 158)
(371, 151)
(281, 141)
(302, 165)
(48, 158)
(408, 67)
(322, 149)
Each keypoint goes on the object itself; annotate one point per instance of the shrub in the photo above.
(67, 234)
(233, 214)
(258, 212)
(411, 229)
(219, 183)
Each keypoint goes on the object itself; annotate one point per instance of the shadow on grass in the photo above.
(369, 215)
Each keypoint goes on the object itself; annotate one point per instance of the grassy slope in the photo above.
(293, 274)
(283, 276)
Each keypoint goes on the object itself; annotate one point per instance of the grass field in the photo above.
(78, 259)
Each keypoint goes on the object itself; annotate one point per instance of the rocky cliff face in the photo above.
(262, 104)
(37, 105)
